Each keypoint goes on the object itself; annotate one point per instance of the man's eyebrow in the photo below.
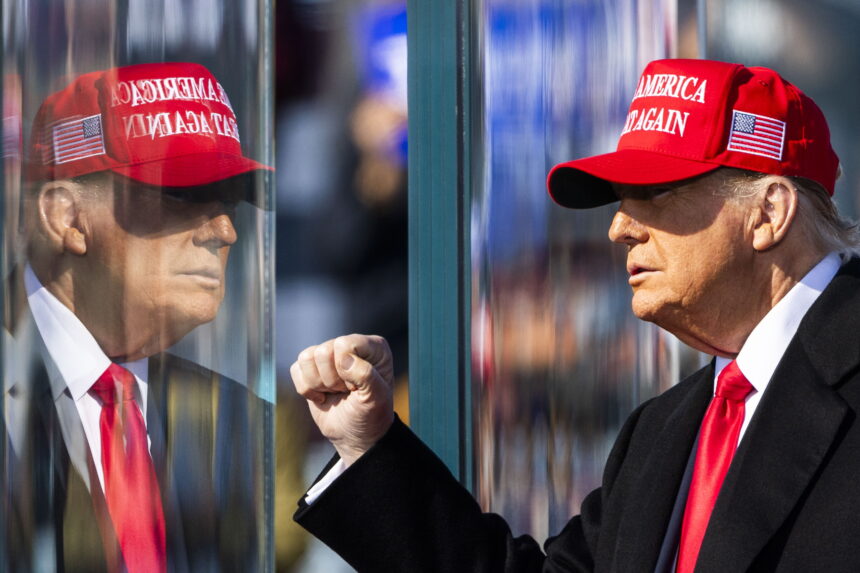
(189, 195)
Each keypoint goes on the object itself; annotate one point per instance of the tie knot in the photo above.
(106, 385)
(732, 384)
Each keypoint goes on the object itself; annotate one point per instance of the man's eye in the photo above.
(645, 193)
(183, 196)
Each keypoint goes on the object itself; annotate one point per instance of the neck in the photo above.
(107, 323)
(724, 332)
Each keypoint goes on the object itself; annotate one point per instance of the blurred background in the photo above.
(558, 360)
(341, 193)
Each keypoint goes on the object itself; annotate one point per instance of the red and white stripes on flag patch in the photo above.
(78, 138)
(757, 134)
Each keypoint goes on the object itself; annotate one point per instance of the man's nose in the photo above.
(626, 229)
(217, 231)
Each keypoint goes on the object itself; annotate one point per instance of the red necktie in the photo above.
(718, 438)
(131, 490)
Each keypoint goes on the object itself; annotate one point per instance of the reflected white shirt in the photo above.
(74, 363)
(768, 341)
(16, 390)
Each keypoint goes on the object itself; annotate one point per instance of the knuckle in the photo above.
(379, 342)
(321, 353)
(343, 344)
(307, 354)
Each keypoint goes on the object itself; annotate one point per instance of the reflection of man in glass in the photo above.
(108, 247)
(120, 451)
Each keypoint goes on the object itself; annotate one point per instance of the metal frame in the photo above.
(439, 35)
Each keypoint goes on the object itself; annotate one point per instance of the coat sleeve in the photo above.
(399, 509)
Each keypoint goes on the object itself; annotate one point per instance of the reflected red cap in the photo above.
(689, 117)
(164, 124)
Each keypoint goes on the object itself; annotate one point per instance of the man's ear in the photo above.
(775, 213)
(59, 212)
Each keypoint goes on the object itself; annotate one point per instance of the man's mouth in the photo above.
(209, 277)
(638, 274)
(634, 269)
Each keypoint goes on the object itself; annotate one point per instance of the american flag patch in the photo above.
(77, 139)
(757, 134)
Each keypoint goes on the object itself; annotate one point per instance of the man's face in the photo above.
(155, 261)
(689, 256)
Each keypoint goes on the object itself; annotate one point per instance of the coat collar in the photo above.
(828, 333)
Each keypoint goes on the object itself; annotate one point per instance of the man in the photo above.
(724, 175)
(120, 456)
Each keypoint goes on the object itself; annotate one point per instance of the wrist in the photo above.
(350, 450)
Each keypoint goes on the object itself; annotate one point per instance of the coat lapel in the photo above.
(797, 423)
(652, 498)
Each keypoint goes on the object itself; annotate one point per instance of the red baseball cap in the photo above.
(690, 117)
(162, 124)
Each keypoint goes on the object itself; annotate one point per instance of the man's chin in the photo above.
(645, 309)
(195, 309)
(660, 314)
(188, 322)
(178, 325)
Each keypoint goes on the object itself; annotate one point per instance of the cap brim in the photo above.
(586, 183)
(192, 170)
(201, 175)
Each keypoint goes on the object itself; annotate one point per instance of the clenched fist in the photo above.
(348, 382)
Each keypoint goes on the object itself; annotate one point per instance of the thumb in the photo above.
(358, 374)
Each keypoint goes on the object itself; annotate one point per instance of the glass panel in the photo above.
(811, 44)
(558, 358)
(138, 275)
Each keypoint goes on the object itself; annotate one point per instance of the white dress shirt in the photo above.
(766, 344)
(74, 361)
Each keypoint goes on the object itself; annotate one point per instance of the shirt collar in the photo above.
(15, 371)
(78, 358)
(766, 344)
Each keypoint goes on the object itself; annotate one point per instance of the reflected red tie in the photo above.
(718, 438)
(131, 490)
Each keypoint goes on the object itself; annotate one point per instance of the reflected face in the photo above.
(155, 260)
(688, 253)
